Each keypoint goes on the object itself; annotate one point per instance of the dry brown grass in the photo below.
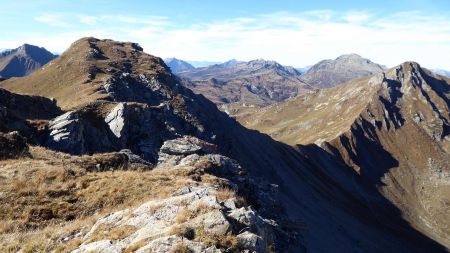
(51, 190)
(224, 193)
(116, 233)
(186, 214)
(136, 246)
(183, 231)
(227, 241)
(180, 248)
(153, 208)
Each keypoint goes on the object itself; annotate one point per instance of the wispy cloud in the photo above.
(291, 38)
(53, 19)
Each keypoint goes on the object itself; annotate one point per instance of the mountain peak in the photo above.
(349, 56)
(328, 73)
(23, 60)
(177, 65)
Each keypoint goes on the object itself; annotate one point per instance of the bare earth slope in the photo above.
(122, 107)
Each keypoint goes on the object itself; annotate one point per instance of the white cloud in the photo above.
(88, 20)
(291, 38)
(356, 17)
(53, 19)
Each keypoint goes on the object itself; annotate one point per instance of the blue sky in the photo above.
(294, 33)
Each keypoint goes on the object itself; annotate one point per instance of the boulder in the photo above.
(12, 145)
(186, 145)
(252, 242)
(134, 161)
(184, 151)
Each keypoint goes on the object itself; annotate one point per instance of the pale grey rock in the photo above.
(104, 246)
(168, 243)
(116, 120)
(183, 151)
(181, 146)
(107, 220)
(226, 164)
(252, 242)
(230, 203)
(213, 222)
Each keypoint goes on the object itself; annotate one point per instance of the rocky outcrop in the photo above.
(187, 145)
(26, 114)
(77, 132)
(66, 133)
(196, 219)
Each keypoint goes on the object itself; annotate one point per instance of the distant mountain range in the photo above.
(201, 64)
(23, 60)
(257, 82)
(261, 82)
(442, 72)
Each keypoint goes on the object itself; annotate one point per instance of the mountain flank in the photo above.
(377, 128)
